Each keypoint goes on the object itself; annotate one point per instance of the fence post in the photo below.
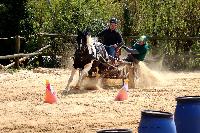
(40, 42)
(17, 48)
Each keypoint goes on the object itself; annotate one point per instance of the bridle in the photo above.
(81, 51)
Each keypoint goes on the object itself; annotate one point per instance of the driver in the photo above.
(111, 38)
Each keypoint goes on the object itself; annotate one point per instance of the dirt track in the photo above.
(22, 108)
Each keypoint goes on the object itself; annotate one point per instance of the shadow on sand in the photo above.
(76, 90)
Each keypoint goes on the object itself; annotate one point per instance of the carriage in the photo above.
(92, 60)
(116, 69)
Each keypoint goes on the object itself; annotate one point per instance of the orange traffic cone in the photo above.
(50, 96)
(122, 94)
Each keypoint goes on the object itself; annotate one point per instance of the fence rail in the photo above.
(24, 55)
(19, 57)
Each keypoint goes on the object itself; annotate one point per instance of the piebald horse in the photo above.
(88, 55)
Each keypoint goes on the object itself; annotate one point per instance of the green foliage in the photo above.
(127, 19)
(175, 18)
(172, 18)
(3, 8)
(11, 13)
(64, 17)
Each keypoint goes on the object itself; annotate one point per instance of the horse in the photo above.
(89, 55)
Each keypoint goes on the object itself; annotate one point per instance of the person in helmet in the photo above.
(111, 38)
(138, 51)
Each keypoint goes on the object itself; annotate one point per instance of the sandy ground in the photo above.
(23, 110)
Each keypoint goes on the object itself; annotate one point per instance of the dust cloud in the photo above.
(147, 77)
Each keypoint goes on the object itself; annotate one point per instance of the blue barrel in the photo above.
(187, 114)
(156, 122)
(115, 131)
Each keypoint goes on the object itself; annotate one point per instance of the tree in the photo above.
(65, 16)
(11, 14)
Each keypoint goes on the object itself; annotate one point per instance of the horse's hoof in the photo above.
(77, 87)
(65, 91)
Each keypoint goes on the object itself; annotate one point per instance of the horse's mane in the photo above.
(97, 48)
(90, 40)
(90, 45)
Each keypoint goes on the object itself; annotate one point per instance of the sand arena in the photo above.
(23, 110)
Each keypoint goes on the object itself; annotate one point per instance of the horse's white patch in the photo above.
(91, 46)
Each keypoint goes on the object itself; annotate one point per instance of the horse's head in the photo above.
(89, 47)
(83, 38)
(85, 42)
(84, 53)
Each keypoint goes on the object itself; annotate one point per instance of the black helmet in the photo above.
(113, 20)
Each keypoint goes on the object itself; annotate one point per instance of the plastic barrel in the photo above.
(187, 114)
(156, 122)
(115, 131)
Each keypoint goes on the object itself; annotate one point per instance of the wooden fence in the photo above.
(19, 57)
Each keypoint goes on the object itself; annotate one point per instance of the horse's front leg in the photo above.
(84, 73)
(70, 79)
